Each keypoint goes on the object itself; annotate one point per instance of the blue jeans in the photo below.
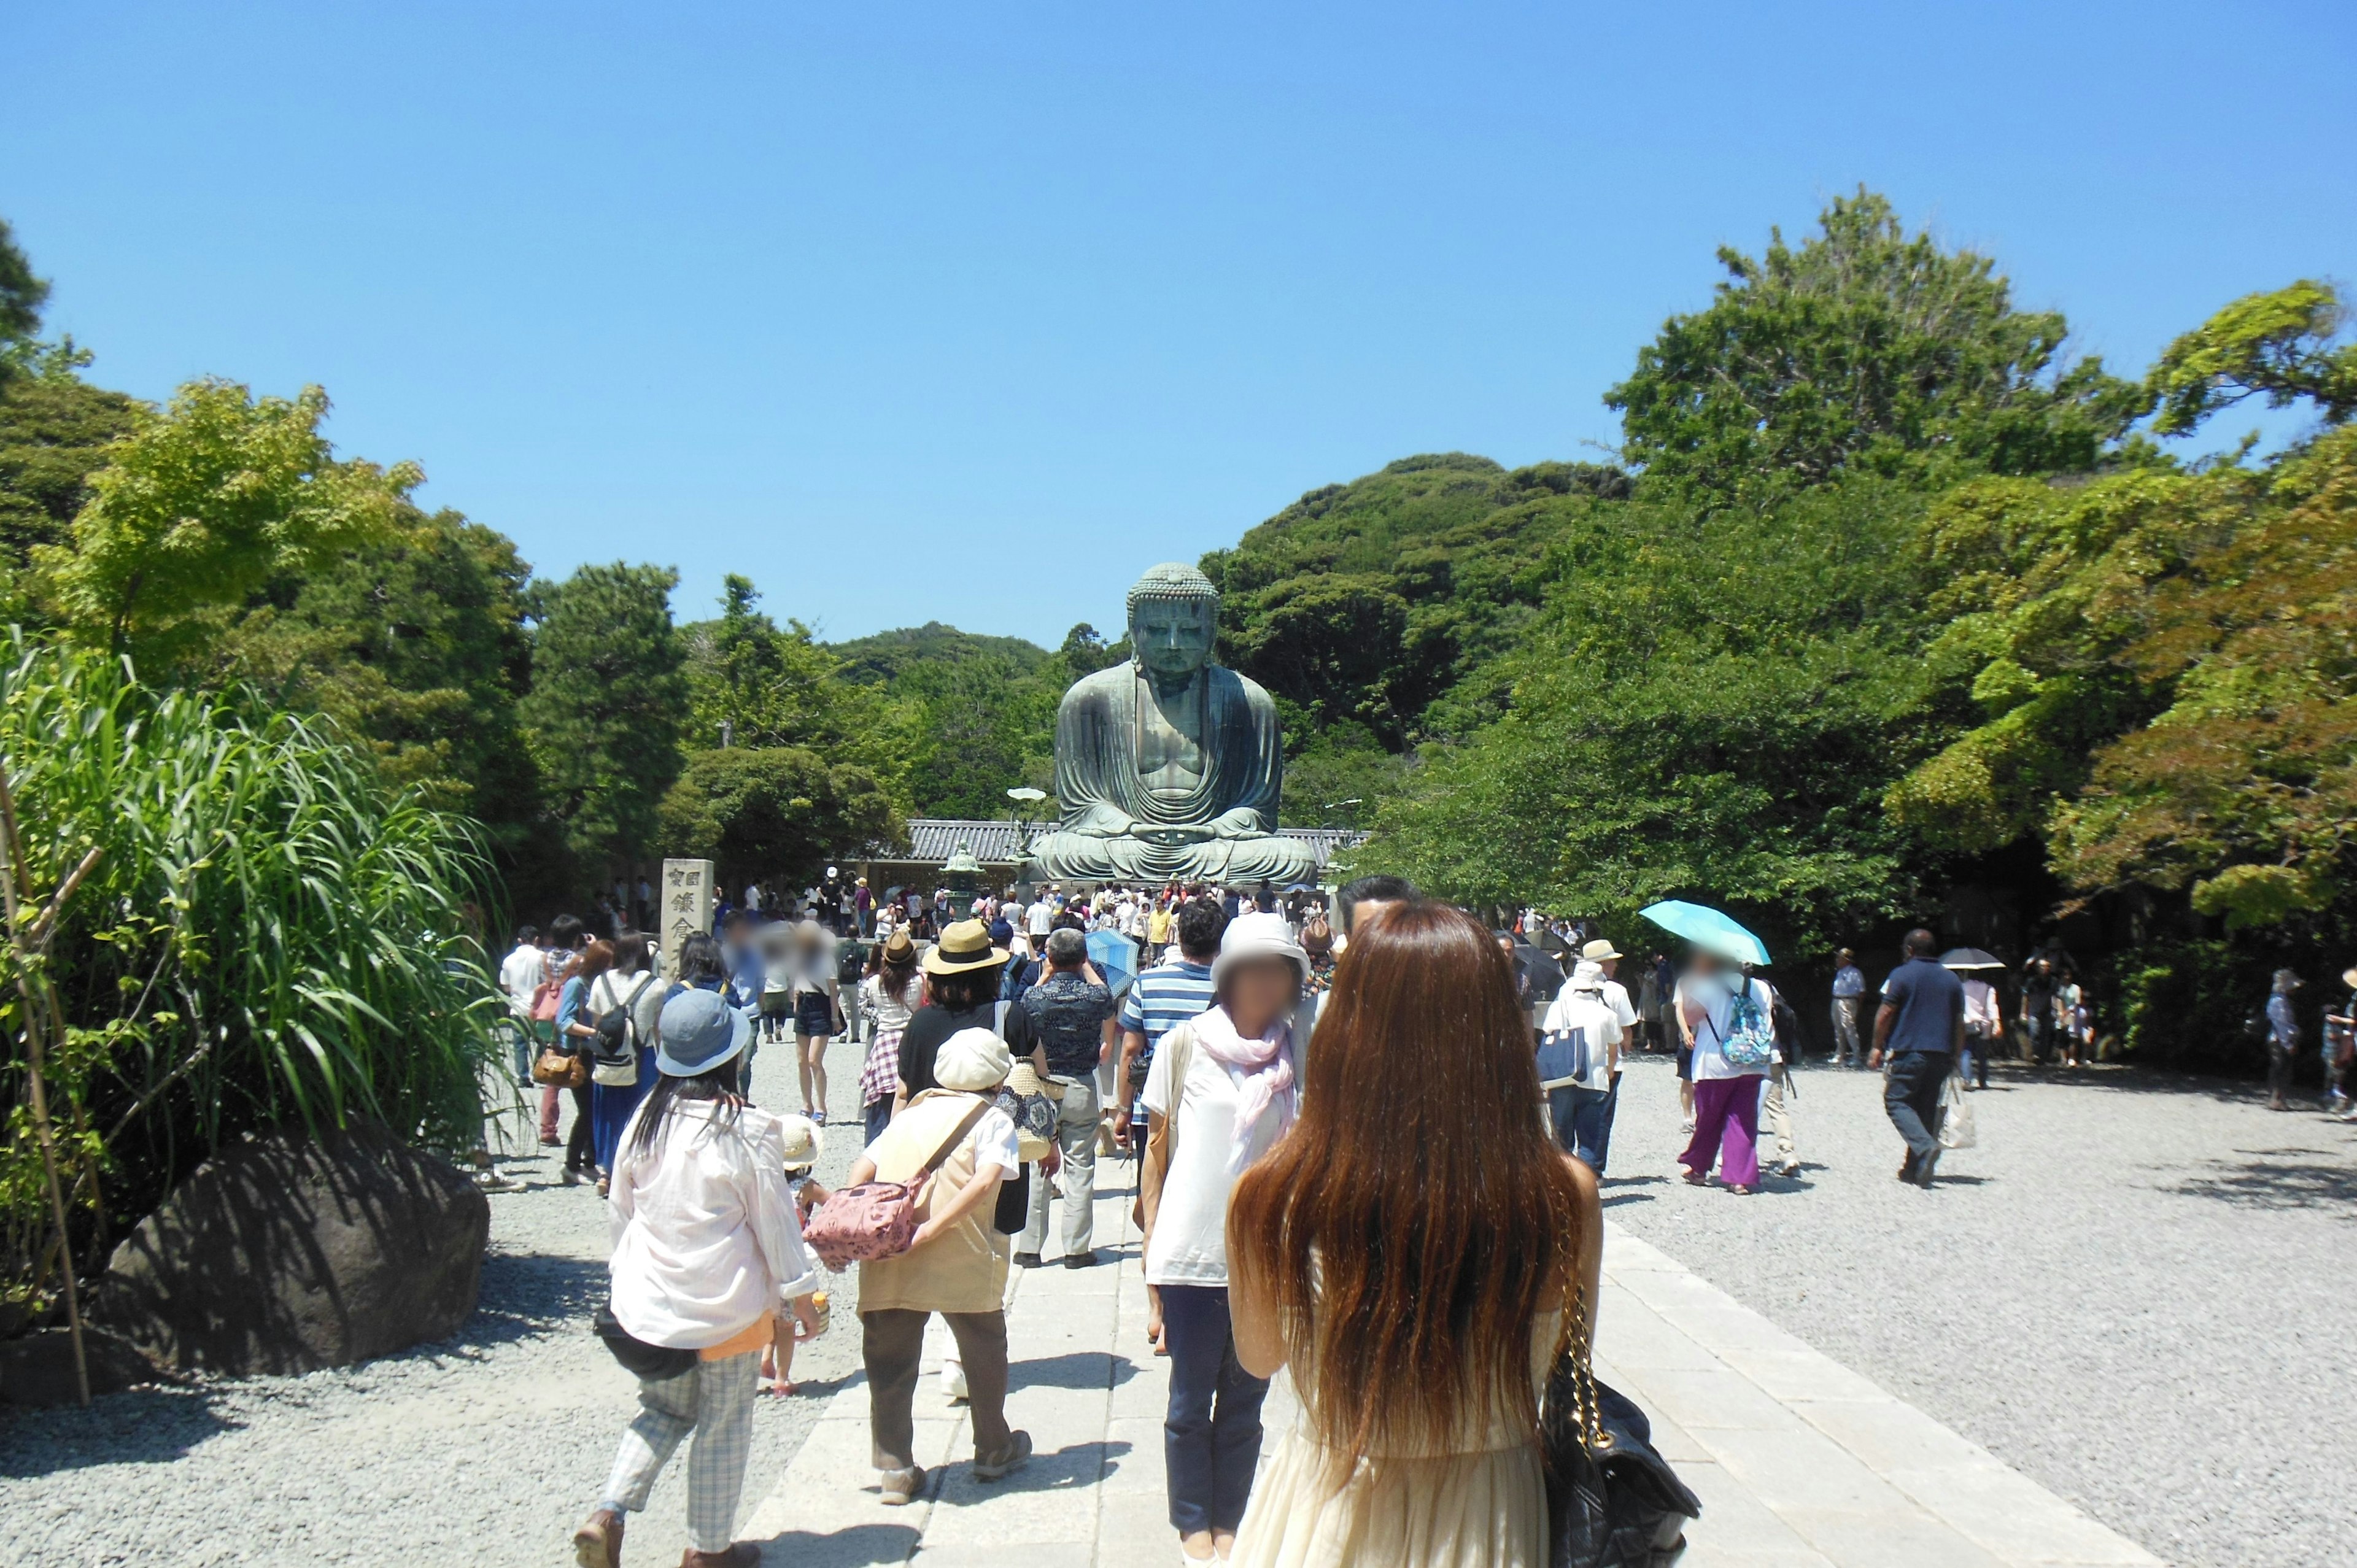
(1583, 1122)
(1210, 1438)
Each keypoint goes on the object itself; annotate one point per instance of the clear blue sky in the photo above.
(970, 312)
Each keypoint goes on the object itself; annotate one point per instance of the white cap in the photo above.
(1257, 936)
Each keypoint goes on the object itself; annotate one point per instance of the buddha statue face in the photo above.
(1172, 636)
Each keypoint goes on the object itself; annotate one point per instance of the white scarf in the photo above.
(1269, 1083)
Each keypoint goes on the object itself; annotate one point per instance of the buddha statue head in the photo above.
(1174, 614)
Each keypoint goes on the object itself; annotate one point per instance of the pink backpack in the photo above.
(876, 1219)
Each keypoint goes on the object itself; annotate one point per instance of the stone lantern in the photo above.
(962, 876)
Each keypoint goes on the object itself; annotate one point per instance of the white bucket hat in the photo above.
(1257, 936)
(973, 1061)
(803, 1142)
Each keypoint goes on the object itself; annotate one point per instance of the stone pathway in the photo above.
(1800, 1462)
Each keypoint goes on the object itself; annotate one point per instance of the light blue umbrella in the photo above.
(1115, 957)
(1709, 928)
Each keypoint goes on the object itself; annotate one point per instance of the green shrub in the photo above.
(271, 936)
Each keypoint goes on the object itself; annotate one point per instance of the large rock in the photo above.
(286, 1255)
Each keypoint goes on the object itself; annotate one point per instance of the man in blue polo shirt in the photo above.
(1165, 996)
(1920, 1027)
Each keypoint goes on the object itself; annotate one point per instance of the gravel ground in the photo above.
(2137, 1289)
(485, 1450)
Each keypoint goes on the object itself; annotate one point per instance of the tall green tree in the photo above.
(1709, 708)
(2282, 345)
(22, 295)
(1866, 348)
(203, 507)
(777, 687)
(416, 647)
(56, 432)
(603, 715)
(774, 810)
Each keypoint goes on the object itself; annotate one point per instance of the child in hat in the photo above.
(804, 1142)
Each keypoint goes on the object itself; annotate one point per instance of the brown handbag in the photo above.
(559, 1068)
(878, 1220)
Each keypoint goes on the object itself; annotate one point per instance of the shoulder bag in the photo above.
(1613, 1500)
(878, 1220)
(1162, 1141)
(651, 1362)
(1749, 1041)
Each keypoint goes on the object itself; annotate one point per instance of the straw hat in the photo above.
(803, 1142)
(900, 947)
(965, 945)
(1598, 951)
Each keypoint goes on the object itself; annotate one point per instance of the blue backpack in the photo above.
(1750, 1039)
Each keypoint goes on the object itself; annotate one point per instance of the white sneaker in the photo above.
(953, 1382)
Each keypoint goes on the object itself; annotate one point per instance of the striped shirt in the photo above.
(1158, 1001)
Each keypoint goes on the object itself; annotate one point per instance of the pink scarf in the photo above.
(1270, 1085)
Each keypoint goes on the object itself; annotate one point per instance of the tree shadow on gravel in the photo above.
(527, 1293)
(140, 1427)
(522, 1295)
(2270, 1181)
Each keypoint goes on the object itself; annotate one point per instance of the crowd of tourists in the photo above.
(1004, 1062)
(1292, 1080)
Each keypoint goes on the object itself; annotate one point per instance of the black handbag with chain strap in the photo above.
(1613, 1500)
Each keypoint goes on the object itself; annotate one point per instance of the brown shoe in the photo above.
(599, 1542)
(744, 1555)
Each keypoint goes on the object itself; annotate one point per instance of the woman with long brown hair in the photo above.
(1412, 1249)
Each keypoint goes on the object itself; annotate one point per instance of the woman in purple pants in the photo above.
(1727, 1096)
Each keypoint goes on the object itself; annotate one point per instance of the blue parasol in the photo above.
(1707, 928)
(1115, 957)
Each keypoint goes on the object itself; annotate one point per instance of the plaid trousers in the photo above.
(715, 1401)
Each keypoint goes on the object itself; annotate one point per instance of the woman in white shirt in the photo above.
(708, 1252)
(1727, 1092)
(1983, 1028)
(1220, 1094)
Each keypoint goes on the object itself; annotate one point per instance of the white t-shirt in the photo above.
(1592, 1010)
(520, 973)
(1039, 918)
(1189, 1246)
(1712, 994)
(1980, 1006)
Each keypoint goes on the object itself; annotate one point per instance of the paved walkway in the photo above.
(1800, 1462)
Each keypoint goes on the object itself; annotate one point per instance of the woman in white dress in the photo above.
(1408, 1250)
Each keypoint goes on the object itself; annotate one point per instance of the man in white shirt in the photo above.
(1040, 918)
(1849, 997)
(1598, 961)
(1579, 1104)
(520, 974)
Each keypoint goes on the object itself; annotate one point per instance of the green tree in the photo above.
(774, 810)
(976, 716)
(777, 687)
(203, 507)
(2280, 346)
(1709, 708)
(22, 295)
(1866, 348)
(417, 647)
(603, 714)
(56, 431)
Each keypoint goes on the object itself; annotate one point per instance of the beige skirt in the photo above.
(1458, 1510)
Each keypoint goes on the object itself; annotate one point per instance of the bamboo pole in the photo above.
(26, 952)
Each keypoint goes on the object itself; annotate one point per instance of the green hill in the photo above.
(1365, 604)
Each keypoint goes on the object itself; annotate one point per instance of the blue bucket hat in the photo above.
(699, 1031)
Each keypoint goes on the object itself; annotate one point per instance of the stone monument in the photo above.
(686, 908)
(1169, 767)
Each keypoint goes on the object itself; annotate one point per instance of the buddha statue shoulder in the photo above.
(1169, 767)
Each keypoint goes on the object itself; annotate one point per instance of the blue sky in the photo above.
(969, 313)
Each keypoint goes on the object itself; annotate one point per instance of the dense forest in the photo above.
(1890, 608)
